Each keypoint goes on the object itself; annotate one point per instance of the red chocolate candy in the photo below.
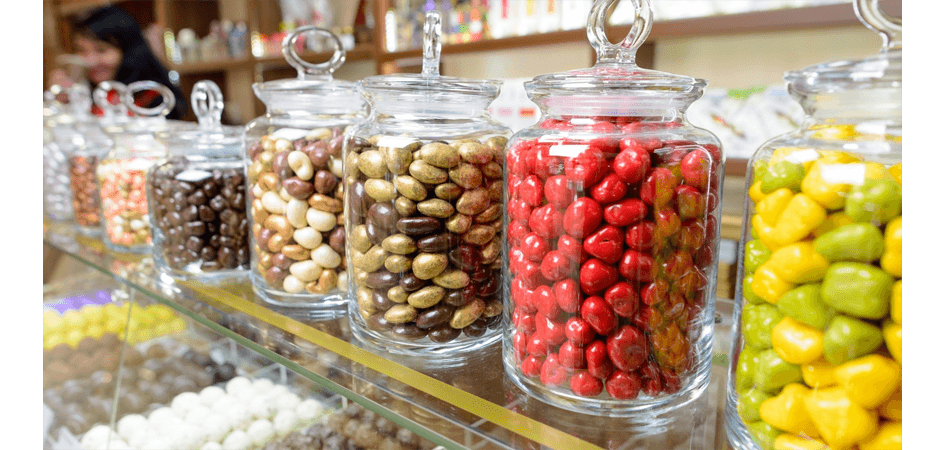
(637, 266)
(606, 243)
(658, 187)
(568, 295)
(587, 167)
(623, 385)
(625, 212)
(627, 348)
(695, 169)
(555, 266)
(596, 276)
(531, 366)
(582, 217)
(544, 300)
(579, 331)
(535, 247)
(546, 221)
(599, 315)
(558, 192)
(585, 384)
(631, 165)
(610, 189)
(571, 248)
(598, 361)
(571, 356)
(530, 190)
(623, 298)
(552, 372)
(642, 236)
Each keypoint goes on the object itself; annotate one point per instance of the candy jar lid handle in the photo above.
(207, 101)
(432, 44)
(626, 51)
(100, 97)
(80, 100)
(889, 27)
(307, 70)
(163, 109)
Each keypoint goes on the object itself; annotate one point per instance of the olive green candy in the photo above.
(772, 373)
(755, 255)
(847, 338)
(804, 305)
(763, 434)
(874, 201)
(860, 290)
(862, 242)
(757, 323)
(782, 174)
(749, 402)
(745, 369)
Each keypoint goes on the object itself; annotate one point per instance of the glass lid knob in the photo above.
(162, 109)
(432, 44)
(207, 101)
(890, 28)
(307, 70)
(626, 51)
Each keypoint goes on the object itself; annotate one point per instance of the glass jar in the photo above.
(294, 166)
(197, 196)
(91, 144)
(63, 132)
(423, 179)
(817, 333)
(612, 235)
(121, 173)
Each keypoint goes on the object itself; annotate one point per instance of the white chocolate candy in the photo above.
(326, 256)
(212, 445)
(183, 402)
(216, 427)
(263, 385)
(237, 440)
(285, 421)
(160, 415)
(288, 401)
(197, 415)
(308, 409)
(237, 384)
(96, 437)
(260, 431)
(261, 407)
(211, 394)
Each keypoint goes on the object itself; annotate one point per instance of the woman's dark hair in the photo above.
(115, 26)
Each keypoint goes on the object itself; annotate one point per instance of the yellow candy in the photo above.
(840, 421)
(782, 154)
(792, 442)
(896, 172)
(895, 300)
(868, 380)
(73, 337)
(835, 220)
(801, 216)
(95, 331)
(786, 411)
(52, 340)
(838, 157)
(829, 195)
(767, 285)
(889, 437)
(773, 205)
(892, 408)
(877, 171)
(891, 261)
(835, 132)
(818, 374)
(798, 263)
(115, 326)
(73, 320)
(765, 232)
(754, 192)
(892, 334)
(796, 342)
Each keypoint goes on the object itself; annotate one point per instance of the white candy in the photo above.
(130, 425)
(216, 427)
(211, 394)
(239, 415)
(190, 436)
(157, 443)
(309, 409)
(237, 384)
(170, 426)
(263, 385)
(212, 446)
(96, 437)
(183, 402)
(197, 415)
(285, 421)
(142, 438)
(118, 444)
(237, 440)
(260, 431)
(288, 401)
(160, 415)
(261, 407)
(277, 391)
(224, 404)
(326, 256)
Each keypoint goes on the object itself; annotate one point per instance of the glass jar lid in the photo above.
(615, 82)
(209, 138)
(883, 70)
(148, 120)
(314, 89)
(429, 87)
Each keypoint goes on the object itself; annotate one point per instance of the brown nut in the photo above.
(325, 203)
(476, 153)
(479, 234)
(440, 155)
(466, 175)
(280, 225)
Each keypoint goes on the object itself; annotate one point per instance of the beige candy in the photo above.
(467, 314)
(411, 188)
(273, 203)
(429, 265)
(295, 212)
(400, 244)
(358, 238)
(401, 314)
(292, 285)
(326, 256)
(459, 223)
(439, 155)
(473, 202)
(454, 279)
(301, 164)
(305, 271)
(307, 237)
(320, 220)
(426, 297)
(436, 207)
(426, 173)
(372, 164)
(380, 190)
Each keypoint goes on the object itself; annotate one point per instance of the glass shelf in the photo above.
(473, 405)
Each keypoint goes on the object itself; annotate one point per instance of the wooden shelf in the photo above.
(219, 65)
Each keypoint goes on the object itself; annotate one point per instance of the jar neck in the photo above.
(851, 107)
(411, 108)
(656, 108)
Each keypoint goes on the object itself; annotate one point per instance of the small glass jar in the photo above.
(63, 137)
(294, 168)
(91, 144)
(612, 235)
(197, 196)
(121, 173)
(423, 184)
(816, 356)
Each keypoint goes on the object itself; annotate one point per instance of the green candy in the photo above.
(782, 174)
(857, 289)
(861, 242)
(745, 369)
(847, 338)
(874, 201)
(749, 294)
(755, 255)
(757, 323)
(749, 402)
(772, 373)
(760, 167)
(754, 233)
(804, 305)
(763, 434)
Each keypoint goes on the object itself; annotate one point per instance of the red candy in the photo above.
(608, 250)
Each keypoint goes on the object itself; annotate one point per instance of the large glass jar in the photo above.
(612, 235)
(294, 169)
(817, 334)
(423, 183)
(62, 125)
(197, 196)
(121, 173)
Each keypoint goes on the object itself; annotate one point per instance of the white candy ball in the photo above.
(238, 384)
(261, 407)
(197, 415)
(157, 443)
(288, 401)
(277, 391)
(118, 444)
(309, 409)
(170, 426)
(139, 440)
(96, 437)
(263, 385)
(224, 404)
(237, 440)
(285, 421)
(211, 394)
(212, 446)
(216, 427)
(160, 415)
(260, 431)
(183, 402)
(131, 424)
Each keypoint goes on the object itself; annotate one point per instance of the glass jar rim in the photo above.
(440, 86)
(879, 71)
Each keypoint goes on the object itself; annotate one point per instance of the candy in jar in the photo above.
(294, 168)
(612, 235)
(817, 340)
(423, 179)
(65, 132)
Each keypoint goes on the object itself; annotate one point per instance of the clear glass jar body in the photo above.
(423, 214)
(611, 257)
(83, 159)
(820, 270)
(121, 182)
(197, 200)
(56, 193)
(294, 167)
